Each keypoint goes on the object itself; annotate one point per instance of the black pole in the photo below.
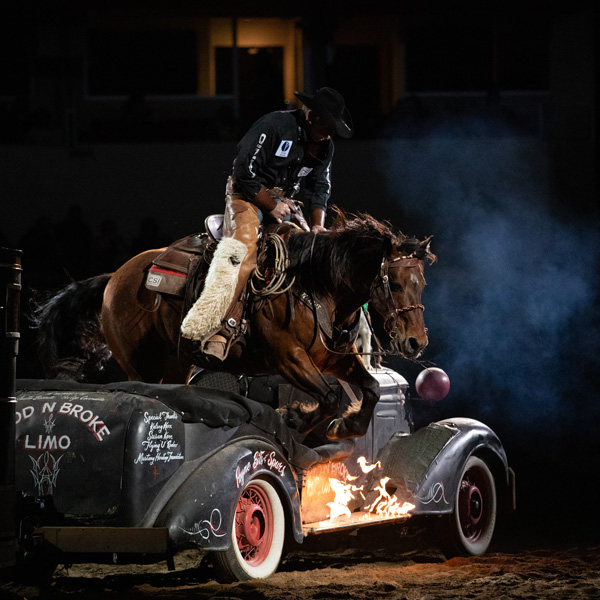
(10, 294)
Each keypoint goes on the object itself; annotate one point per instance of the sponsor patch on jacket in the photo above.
(284, 148)
(304, 171)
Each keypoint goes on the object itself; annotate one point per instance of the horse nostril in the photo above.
(414, 344)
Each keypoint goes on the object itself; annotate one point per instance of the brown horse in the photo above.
(301, 333)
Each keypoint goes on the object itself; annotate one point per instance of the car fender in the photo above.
(425, 467)
(201, 510)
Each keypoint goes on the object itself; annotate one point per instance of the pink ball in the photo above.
(432, 384)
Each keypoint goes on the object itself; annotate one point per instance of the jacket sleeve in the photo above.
(254, 150)
(317, 187)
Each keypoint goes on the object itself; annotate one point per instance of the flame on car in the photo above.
(385, 505)
(344, 492)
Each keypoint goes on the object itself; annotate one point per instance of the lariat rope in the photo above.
(272, 281)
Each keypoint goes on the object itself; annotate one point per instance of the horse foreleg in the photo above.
(355, 420)
(319, 401)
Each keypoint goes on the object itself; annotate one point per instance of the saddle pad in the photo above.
(166, 281)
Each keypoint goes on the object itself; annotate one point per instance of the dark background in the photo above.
(492, 149)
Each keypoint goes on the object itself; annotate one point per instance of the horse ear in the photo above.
(425, 247)
(388, 247)
(426, 243)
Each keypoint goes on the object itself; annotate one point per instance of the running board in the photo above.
(355, 521)
(134, 540)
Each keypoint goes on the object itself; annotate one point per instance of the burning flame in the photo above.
(362, 461)
(343, 495)
(384, 506)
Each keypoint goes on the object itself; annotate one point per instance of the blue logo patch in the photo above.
(284, 148)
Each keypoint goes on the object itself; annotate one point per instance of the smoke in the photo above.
(510, 302)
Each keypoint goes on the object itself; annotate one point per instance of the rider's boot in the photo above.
(218, 344)
(215, 319)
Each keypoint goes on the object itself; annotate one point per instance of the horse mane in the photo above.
(324, 263)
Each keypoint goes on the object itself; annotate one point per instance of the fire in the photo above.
(384, 506)
(343, 495)
(362, 461)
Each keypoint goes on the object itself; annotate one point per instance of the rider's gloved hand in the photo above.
(296, 215)
(280, 211)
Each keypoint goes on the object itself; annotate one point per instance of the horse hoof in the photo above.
(332, 430)
(337, 430)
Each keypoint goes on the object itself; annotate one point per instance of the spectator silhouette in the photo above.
(41, 273)
(110, 249)
(41, 266)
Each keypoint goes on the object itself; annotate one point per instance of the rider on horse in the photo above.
(279, 151)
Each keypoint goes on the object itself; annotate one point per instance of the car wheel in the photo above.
(257, 535)
(469, 529)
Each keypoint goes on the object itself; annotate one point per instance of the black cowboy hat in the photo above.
(329, 105)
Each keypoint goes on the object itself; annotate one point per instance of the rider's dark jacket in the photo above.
(274, 153)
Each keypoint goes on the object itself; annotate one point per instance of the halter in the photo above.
(383, 280)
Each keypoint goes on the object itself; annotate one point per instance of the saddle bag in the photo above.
(169, 271)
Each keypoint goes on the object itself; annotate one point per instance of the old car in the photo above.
(129, 469)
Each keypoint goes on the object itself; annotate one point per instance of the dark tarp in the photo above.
(215, 408)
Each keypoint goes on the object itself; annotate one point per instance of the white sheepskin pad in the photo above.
(207, 313)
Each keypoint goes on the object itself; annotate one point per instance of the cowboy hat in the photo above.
(329, 105)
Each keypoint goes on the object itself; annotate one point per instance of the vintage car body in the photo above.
(131, 468)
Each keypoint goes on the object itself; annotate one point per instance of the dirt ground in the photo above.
(378, 564)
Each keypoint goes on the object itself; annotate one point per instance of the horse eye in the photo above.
(395, 287)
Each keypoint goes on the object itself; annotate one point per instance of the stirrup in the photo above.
(227, 336)
(213, 224)
(220, 347)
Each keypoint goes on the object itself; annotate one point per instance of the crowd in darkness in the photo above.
(56, 253)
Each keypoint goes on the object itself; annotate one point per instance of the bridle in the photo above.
(383, 281)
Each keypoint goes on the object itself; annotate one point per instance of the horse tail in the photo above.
(70, 339)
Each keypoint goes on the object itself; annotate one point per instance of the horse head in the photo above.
(396, 293)
(394, 274)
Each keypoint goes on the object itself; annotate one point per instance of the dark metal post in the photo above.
(10, 293)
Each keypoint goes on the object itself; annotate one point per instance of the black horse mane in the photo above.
(324, 263)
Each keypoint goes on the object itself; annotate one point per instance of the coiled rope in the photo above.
(271, 280)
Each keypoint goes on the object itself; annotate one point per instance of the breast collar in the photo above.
(341, 338)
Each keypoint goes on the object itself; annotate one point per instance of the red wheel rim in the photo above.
(254, 525)
(472, 507)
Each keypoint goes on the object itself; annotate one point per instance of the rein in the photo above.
(383, 281)
(381, 353)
